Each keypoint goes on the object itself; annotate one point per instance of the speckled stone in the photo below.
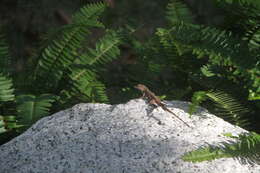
(126, 138)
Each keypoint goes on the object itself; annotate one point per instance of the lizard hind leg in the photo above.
(153, 102)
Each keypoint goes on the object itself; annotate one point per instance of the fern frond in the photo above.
(83, 79)
(197, 98)
(6, 89)
(89, 12)
(246, 150)
(225, 106)
(205, 154)
(5, 59)
(221, 47)
(8, 123)
(86, 18)
(253, 3)
(62, 52)
(84, 85)
(56, 57)
(253, 37)
(97, 92)
(243, 20)
(31, 108)
(229, 108)
(207, 71)
(177, 11)
(106, 50)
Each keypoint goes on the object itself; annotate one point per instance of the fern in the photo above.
(205, 154)
(225, 106)
(244, 21)
(229, 108)
(63, 52)
(88, 13)
(83, 85)
(253, 37)
(221, 48)
(31, 108)
(5, 59)
(207, 70)
(8, 123)
(64, 67)
(85, 18)
(6, 89)
(253, 3)
(197, 98)
(106, 50)
(82, 77)
(57, 57)
(246, 150)
(177, 11)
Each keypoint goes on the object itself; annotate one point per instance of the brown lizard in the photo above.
(153, 99)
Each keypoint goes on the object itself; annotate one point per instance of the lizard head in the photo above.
(141, 87)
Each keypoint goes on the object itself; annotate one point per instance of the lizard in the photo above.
(153, 99)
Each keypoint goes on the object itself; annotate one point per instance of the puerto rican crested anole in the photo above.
(153, 99)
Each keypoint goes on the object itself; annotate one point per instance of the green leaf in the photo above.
(106, 50)
(203, 154)
(84, 86)
(6, 89)
(83, 80)
(225, 106)
(177, 11)
(205, 70)
(31, 108)
(227, 134)
(246, 149)
(62, 52)
(253, 3)
(5, 60)
(197, 98)
(2, 130)
(253, 95)
(89, 13)
(229, 108)
(8, 123)
(10, 118)
(2, 123)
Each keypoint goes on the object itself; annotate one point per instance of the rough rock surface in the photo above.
(124, 138)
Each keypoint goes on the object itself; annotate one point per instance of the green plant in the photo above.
(66, 72)
(221, 62)
(225, 106)
(7, 122)
(229, 57)
(246, 150)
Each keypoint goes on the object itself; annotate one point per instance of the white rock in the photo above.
(124, 138)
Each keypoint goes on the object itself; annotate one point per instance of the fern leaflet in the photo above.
(177, 11)
(5, 59)
(31, 108)
(82, 77)
(63, 52)
(6, 89)
(225, 106)
(246, 150)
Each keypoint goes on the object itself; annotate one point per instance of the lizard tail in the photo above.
(177, 117)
